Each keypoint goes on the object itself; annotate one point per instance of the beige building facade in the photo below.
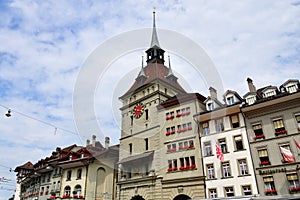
(74, 172)
(273, 123)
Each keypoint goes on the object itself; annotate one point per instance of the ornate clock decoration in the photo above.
(138, 110)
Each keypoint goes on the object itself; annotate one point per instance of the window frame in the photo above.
(243, 168)
(226, 172)
(69, 175)
(223, 145)
(235, 142)
(226, 192)
(207, 144)
(243, 189)
(264, 160)
(235, 123)
(210, 170)
(79, 174)
(219, 125)
(215, 194)
(205, 128)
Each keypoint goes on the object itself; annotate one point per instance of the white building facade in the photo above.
(228, 173)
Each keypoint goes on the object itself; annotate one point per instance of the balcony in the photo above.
(271, 192)
(170, 133)
(294, 189)
(280, 132)
(266, 162)
(171, 150)
(184, 168)
(261, 136)
(171, 169)
(170, 117)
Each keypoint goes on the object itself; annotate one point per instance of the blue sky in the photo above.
(45, 43)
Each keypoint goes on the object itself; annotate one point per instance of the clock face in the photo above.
(138, 110)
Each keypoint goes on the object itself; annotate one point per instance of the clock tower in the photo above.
(143, 163)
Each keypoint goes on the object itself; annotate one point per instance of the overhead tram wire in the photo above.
(39, 120)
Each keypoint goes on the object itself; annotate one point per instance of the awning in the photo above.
(143, 156)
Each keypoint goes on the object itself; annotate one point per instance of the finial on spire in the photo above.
(170, 69)
(154, 40)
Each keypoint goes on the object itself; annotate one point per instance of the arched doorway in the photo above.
(137, 197)
(182, 197)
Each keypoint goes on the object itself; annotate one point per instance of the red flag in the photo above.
(287, 155)
(219, 152)
(297, 143)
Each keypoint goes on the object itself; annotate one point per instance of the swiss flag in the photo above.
(287, 155)
(219, 152)
(297, 143)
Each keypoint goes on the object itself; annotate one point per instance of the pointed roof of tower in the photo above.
(142, 73)
(154, 40)
(155, 70)
(170, 69)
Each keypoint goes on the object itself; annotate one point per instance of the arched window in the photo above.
(77, 189)
(67, 190)
(100, 181)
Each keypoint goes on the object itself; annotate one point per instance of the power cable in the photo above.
(39, 120)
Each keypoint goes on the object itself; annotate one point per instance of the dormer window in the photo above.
(250, 100)
(269, 93)
(230, 100)
(292, 88)
(210, 106)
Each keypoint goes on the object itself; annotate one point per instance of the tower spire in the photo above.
(154, 40)
(155, 54)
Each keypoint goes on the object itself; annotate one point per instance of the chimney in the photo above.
(88, 142)
(93, 140)
(106, 142)
(250, 85)
(213, 93)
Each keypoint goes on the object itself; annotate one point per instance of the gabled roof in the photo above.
(290, 81)
(154, 71)
(248, 94)
(268, 88)
(234, 93)
(214, 100)
(27, 165)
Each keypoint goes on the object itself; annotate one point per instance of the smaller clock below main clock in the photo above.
(138, 110)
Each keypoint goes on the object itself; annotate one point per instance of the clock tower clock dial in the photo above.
(138, 110)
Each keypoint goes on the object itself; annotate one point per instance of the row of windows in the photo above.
(181, 146)
(76, 192)
(269, 93)
(180, 128)
(146, 140)
(219, 124)
(229, 191)
(179, 113)
(55, 186)
(264, 156)
(230, 100)
(292, 179)
(78, 176)
(226, 169)
(279, 127)
(186, 163)
(238, 144)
